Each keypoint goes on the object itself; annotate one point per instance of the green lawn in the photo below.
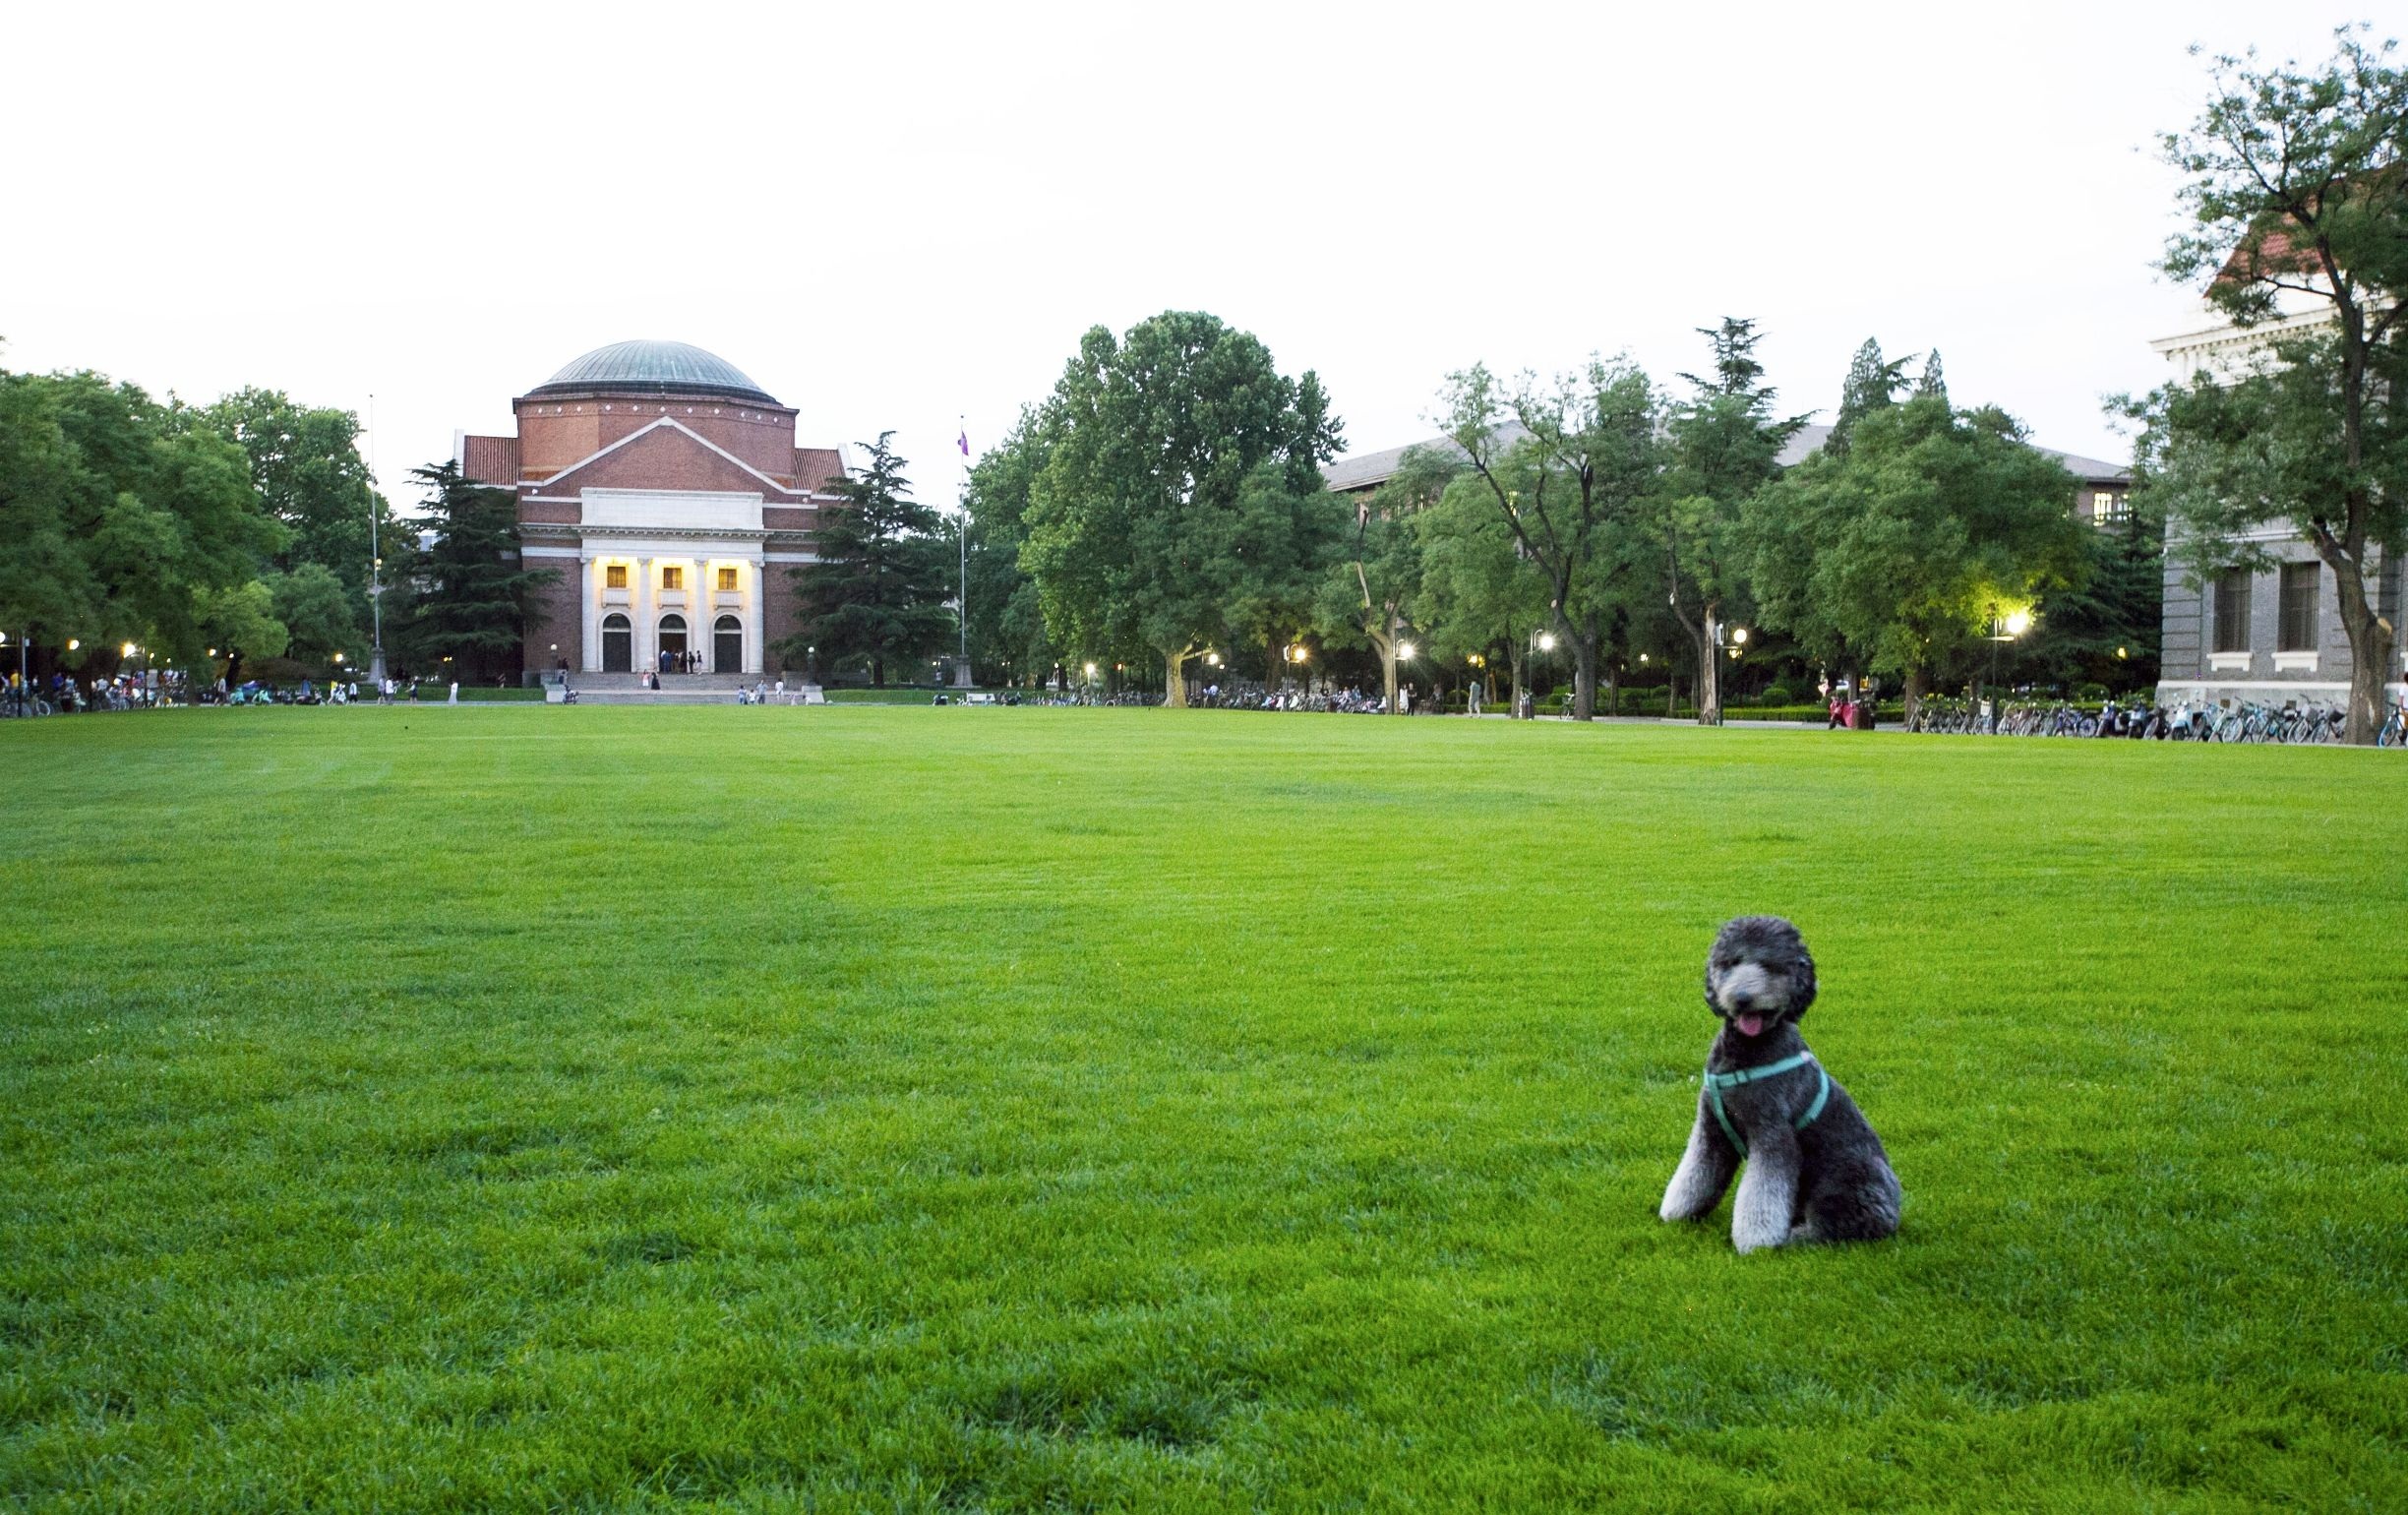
(619, 1107)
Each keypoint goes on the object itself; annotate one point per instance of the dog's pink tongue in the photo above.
(1749, 1025)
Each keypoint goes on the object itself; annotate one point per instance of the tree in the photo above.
(1594, 452)
(1481, 594)
(1907, 546)
(471, 588)
(314, 609)
(1145, 527)
(307, 472)
(1871, 384)
(1366, 596)
(1007, 624)
(1725, 445)
(2107, 628)
(123, 527)
(883, 572)
(2297, 206)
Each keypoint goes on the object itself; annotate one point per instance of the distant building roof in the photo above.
(653, 368)
(1368, 471)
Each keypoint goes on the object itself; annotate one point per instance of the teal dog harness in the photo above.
(1715, 1083)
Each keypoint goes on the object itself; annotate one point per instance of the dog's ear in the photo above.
(1805, 981)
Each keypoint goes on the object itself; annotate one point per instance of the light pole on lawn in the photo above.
(2003, 628)
(376, 566)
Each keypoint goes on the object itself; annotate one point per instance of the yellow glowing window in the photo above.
(727, 579)
(615, 577)
(673, 578)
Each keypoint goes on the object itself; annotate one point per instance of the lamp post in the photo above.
(2003, 628)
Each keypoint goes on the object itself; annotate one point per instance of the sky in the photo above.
(902, 217)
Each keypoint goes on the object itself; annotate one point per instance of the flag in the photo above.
(965, 442)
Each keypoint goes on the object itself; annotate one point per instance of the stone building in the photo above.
(2273, 636)
(667, 488)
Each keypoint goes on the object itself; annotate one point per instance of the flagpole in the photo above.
(961, 526)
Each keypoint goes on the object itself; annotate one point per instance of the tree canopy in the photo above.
(882, 574)
(1180, 459)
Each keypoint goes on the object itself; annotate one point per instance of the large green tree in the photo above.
(882, 572)
(1725, 445)
(1572, 484)
(1007, 630)
(307, 474)
(1907, 546)
(122, 525)
(1481, 594)
(1146, 525)
(471, 592)
(2295, 195)
(1366, 597)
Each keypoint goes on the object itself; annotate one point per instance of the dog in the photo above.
(1815, 1170)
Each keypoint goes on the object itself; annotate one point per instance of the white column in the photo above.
(757, 618)
(699, 619)
(589, 620)
(644, 612)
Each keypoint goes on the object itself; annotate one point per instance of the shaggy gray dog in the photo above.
(1815, 1170)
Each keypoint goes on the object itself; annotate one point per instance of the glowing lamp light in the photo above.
(1643, 657)
(1546, 641)
(1090, 670)
(2122, 652)
(1405, 650)
(2018, 622)
(127, 650)
(72, 644)
(1739, 636)
(338, 657)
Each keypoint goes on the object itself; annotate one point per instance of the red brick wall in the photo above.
(553, 616)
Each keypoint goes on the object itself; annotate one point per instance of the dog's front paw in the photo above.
(1755, 1239)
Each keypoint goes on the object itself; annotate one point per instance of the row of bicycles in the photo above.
(2290, 723)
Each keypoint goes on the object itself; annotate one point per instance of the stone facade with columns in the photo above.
(667, 489)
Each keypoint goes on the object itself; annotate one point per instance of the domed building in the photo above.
(667, 488)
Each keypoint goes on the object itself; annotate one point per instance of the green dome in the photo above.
(653, 368)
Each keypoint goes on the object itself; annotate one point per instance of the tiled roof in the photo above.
(489, 459)
(815, 467)
(1365, 470)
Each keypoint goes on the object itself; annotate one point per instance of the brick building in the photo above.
(667, 488)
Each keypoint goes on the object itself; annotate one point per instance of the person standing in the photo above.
(455, 700)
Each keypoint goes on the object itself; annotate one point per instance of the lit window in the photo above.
(727, 579)
(615, 577)
(673, 578)
(2297, 631)
(2107, 508)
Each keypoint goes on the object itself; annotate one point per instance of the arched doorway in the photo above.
(618, 645)
(673, 638)
(727, 646)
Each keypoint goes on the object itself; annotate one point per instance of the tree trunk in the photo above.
(1614, 691)
(1274, 666)
(1388, 678)
(1518, 663)
(1918, 683)
(1175, 682)
(877, 667)
(2373, 641)
(1583, 676)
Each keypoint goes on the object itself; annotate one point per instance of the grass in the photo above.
(629, 1109)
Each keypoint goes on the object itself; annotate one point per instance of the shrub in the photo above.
(1777, 694)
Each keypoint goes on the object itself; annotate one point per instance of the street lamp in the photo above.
(1546, 641)
(1405, 651)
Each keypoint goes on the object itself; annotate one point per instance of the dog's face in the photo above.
(1758, 974)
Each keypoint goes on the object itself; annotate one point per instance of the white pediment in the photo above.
(673, 510)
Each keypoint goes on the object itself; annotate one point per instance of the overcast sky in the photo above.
(892, 215)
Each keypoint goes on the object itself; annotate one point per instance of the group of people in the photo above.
(1849, 708)
(120, 692)
(678, 662)
(761, 694)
